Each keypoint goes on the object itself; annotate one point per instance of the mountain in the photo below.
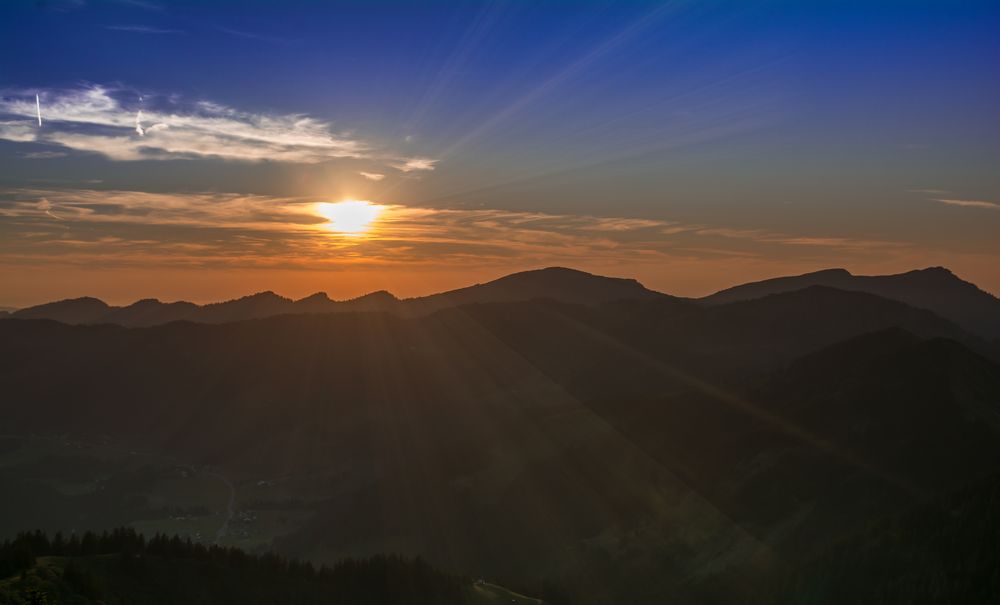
(939, 550)
(633, 450)
(566, 285)
(853, 432)
(72, 311)
(556, 283)
(147, 312)
(936, 289)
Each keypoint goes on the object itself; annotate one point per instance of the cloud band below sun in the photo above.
(210, 229)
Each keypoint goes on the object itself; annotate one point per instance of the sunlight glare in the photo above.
(350, 217)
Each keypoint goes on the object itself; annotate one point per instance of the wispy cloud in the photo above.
(372, 176)
(763, 236)
(252, 35)
(414, 164)
(19, 131)
(107, 121)
(214, 229)
(970, 203)
(144, 29)
(44, 155)
(929, 191)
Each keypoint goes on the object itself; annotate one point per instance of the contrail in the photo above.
(38, 109)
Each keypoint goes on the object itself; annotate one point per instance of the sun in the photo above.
(350, 217)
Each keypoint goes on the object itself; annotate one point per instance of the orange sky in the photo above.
(125, 245)
(125, 285)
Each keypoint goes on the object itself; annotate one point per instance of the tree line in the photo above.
(381, 579)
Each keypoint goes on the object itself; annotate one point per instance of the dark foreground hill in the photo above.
(639, 451)
(942, 551)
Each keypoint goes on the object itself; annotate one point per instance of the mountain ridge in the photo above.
(516, 432)
(558, 283)
(936, 289)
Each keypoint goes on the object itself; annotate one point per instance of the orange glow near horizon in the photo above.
(350, 217)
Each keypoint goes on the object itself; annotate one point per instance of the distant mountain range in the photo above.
(552, 427)
(935, 289)
(566, 285)
(563, 433)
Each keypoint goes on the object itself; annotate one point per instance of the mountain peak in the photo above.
(318, 297)
(935, 272)
(935, 289)
(82, 310)
(378, 295)
(938, 269)
(835, 272)
(266, 296)
(556, 283)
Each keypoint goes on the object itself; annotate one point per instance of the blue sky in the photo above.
(754, 138)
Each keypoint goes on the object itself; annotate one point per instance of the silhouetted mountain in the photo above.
(72, 311)
(936, 289)
(148, 312)
(374, 301)
(255, 306)
(513, 433)
(566, 285)
(555, 283)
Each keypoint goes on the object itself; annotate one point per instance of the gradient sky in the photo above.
(693, 145)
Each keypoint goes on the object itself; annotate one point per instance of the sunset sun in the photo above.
(350, 217)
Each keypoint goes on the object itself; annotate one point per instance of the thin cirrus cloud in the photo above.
(372, 176)
(970, 203)
(118, 125)
(414, 164)
(44, 155)
(227, 230)
(145, 29)
(17, 131)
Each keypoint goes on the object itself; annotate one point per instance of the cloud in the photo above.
(21, 131)
(762, 236)
(414, 164)
(252, 36)
(929, 191)
(44, 155)
(372, 176)
(970, 203)
(144, 29)
(226, 230)
(106, 121)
